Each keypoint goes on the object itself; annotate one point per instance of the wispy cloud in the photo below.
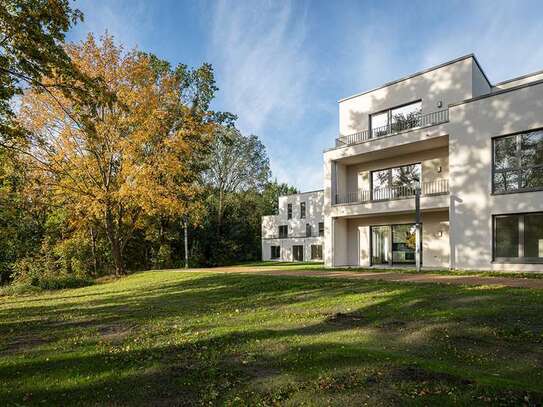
(264, 73)
(258, 51)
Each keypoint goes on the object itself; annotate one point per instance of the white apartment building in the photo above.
(296, 233)
(473, 149)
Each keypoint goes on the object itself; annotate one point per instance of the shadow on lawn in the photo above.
(417, 325)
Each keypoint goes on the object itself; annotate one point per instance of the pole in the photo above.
(186, 242)
(417, 230)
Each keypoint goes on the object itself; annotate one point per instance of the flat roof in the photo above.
(518, 78)
(303, 193)
(453, 61)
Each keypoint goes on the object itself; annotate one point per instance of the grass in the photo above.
(193, 338)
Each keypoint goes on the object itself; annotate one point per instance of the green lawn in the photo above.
(178, 338)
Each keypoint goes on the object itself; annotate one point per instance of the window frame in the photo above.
(521, 259)
(321, 229)
(318, 248)
(302, 210)
(281, 235)
(308, 230)
(289, 211)
(272, 247)
(519, 168)
(389, 178)
(389, 118)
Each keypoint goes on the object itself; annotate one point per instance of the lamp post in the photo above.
(418, 240)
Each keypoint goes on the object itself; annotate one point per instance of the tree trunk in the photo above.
(93, 249)
(220, 212)
(186, 238)
(114, 241)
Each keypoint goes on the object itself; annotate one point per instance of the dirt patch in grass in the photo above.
(418, 374)
(23, 344)
(346, 320)
(114, 333)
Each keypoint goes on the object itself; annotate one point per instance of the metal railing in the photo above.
(437, 187)
(300, 236)
(419, 120)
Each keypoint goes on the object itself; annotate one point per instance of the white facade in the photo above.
(473, 149)
(302, 229)
(460, 118)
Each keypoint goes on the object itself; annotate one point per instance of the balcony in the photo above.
(437, 187)
(291, 236)
(416, 121)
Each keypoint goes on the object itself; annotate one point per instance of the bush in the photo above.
(40, 273)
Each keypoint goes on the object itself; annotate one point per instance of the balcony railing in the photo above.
(419, 120)
(300, 236)
(437, 187)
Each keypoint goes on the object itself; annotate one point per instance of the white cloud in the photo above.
(258, 51)
(263, 70)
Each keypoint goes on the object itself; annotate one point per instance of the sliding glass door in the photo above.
(393, 244)
(380, 245)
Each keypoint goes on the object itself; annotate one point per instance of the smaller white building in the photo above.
(296, 233)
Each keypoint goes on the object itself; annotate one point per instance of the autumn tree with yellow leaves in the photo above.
(133, 152)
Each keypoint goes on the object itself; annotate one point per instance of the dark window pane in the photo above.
(283, 231)
(506, 181)
(302, 210)
(275, 252)
(533, 235)
(321, 228)
(532, 149)
(505, 153)
(316, 252)
(507, 236)
(289, 211)
(308, 230)
(532, 178)
(403, 243)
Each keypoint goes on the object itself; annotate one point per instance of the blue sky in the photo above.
(281, 66)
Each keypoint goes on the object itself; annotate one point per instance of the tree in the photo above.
(113, 161)
(236, 163)
(31, 47)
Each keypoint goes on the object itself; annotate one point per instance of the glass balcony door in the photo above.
(393, 244)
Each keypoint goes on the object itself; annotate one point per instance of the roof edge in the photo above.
(404, 78)
(303, 193)
(518, 78)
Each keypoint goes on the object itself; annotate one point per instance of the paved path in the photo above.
(517, 282)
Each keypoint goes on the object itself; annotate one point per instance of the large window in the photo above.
(302, 210)
(518, 162)
(298, 253)
(518, 238)
(395, 182)
(393, 244)
(283, 231)
(289, 211)
(396, 119)
(275, 252)
(316, 252)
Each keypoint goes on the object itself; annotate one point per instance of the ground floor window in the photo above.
(316, 252)
(518, 238)
(393, 244)
(275, 252)
(298, 253)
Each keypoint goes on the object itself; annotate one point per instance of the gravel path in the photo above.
(392, 276)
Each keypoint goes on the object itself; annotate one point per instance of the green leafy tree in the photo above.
(31, 47)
